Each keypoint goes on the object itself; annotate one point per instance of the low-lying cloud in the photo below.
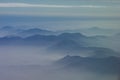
(3, 5)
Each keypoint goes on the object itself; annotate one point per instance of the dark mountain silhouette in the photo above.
(12, 40)
(35, 31)
(72, 35)
(40, 38)
(65, 46)
(108, 65)
(72, 47)
(22, 32)
(66, 43)
(105, 41)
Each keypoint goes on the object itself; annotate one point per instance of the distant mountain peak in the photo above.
(66, 44)
(67, 56)
(71, 35)
(36, 30)
(71, 57)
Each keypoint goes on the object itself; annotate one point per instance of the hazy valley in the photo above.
(32, 54)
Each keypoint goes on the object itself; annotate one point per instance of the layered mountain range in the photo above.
(63, 43)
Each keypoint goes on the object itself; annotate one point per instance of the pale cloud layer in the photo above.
(7, 5)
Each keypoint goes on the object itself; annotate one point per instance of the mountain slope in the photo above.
(35, 31)
(109, 65)
(66, 43)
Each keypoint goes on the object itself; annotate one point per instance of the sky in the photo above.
(61, 7)
(103, 12)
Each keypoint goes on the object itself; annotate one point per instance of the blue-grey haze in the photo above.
(35, 34)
